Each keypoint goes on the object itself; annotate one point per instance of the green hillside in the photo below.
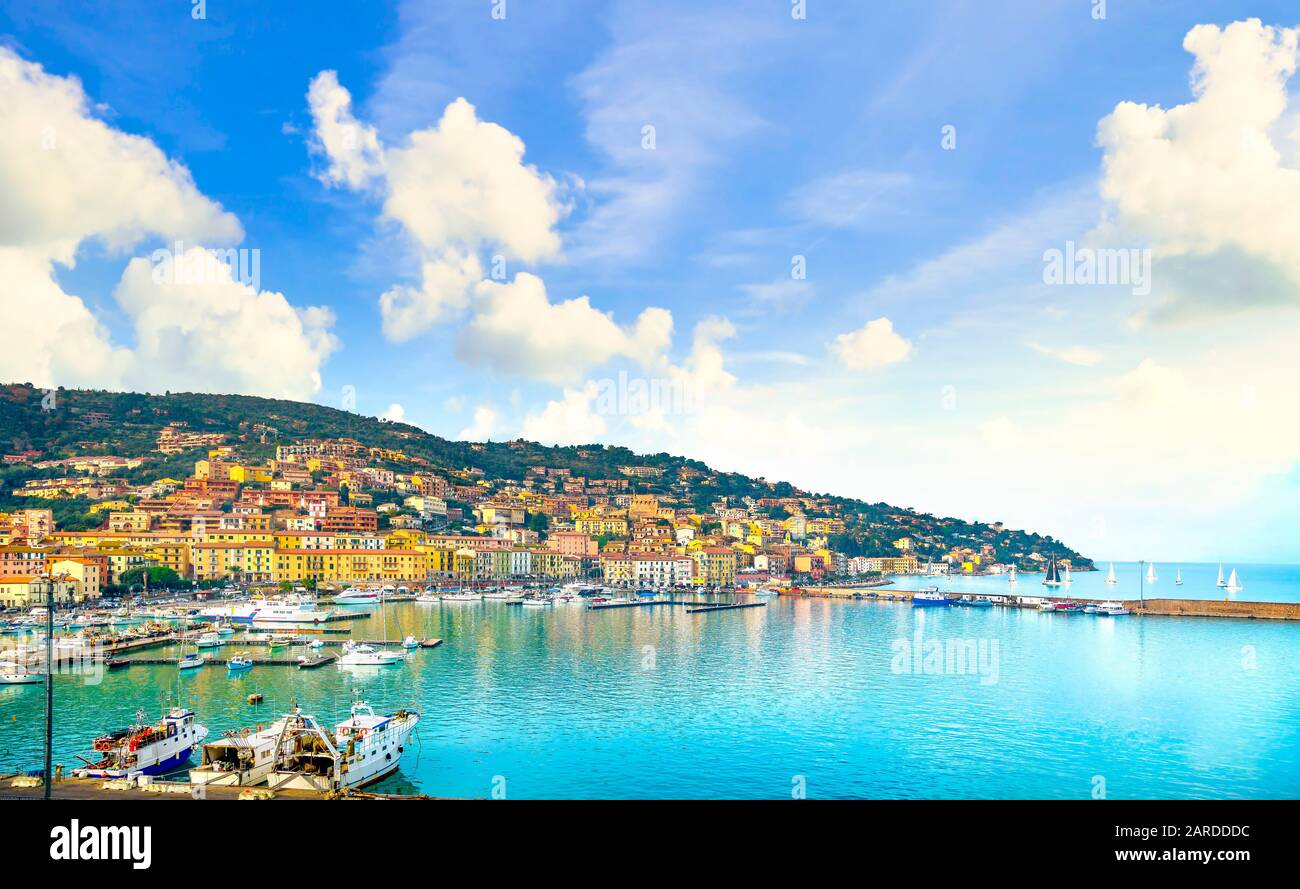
(86, 422)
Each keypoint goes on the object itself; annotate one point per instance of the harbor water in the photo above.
(815, 697)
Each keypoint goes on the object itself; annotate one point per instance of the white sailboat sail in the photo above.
(1234, 585)
(1110, 575)
(1067, 575)
(1178, 577)
(1012, 578)
(1221, 583)
(1151, 573)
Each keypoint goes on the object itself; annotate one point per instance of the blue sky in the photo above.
(983, 393)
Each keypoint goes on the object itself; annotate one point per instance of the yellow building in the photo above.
(84, 573)
(600, 525)
(714, 566)
(351, 565)
(129, 521)
(24, 591)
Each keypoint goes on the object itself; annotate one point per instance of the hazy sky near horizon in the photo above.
(831, 248)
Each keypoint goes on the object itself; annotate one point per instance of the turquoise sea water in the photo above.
(811, 694)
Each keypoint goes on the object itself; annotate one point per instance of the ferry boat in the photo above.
(293, 612)
(355, 596)
(239, 759)
(145, 749)
(931, 597)
(361, 750)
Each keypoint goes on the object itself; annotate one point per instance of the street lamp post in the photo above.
(49, 686)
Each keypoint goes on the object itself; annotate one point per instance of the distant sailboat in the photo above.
(1178, 577)
(1012, 578)
(1052, 578)
(1110, 575)
(1221, 582)
(1067, 576)
(1234, 585)
(1151, 573)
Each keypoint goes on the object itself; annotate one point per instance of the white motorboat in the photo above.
(366, 656)
(410, 642)
(209, 640)
(356, 596)
(15, 674)
(462, 596)
(1111, 609)
(537, 602)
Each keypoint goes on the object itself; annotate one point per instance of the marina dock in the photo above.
(309, 664)
(705, 609)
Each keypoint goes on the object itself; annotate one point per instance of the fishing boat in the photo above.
(410, 642)
(1178, 577)
(1111, 609)
(1234, 585)
(239, 759)
(1151, 572)
(145, 748)
(931, 598)
(361, 750)
(1110, 575)
(1222, 582)
(1053, 577)
(239, 663)
(355, 655)
(973, 602)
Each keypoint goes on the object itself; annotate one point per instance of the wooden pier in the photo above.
(309, 664)
(705, 609)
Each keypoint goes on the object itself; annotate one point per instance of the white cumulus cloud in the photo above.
(68, 178)
(1208, 184)
(517, 329)
(871, 346)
